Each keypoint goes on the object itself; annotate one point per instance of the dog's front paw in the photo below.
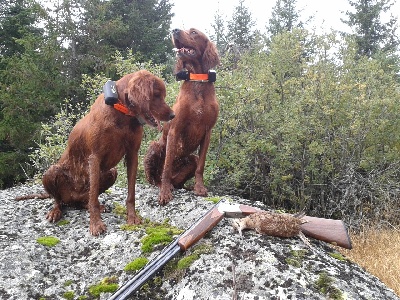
(54, 215)
(200, 190)
(165, 195)
(97, 227)
(133, 220)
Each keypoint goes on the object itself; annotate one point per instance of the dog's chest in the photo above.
(204, 111)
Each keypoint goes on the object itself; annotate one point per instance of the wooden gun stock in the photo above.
(327, 230)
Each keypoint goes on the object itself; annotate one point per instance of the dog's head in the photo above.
(145, 97)
(195, 51)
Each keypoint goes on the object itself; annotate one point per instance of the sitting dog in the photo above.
(99, 141)
(170, 161)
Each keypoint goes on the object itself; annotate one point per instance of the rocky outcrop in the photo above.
(252, 267)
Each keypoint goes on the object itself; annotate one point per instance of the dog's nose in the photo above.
(171, 115)
(175, 31)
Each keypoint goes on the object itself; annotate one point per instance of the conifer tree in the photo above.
(370, 32)
(240, 28)
(284, 17)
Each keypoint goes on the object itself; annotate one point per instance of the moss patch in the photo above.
(296, 258)
(107, 285)
(157, 234)
(325, 286)
(68, 283)
(213, 199)
(175, 269)
(69, 295)
(137, 264)
(63, 222)
(128, 227)
(198, 250)
(49, 241)
(119, 210)
(338, 256)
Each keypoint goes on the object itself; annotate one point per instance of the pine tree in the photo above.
(17, 19)
(284, 17)
(371, 34)
(220, 37)
(30, 84)
(240, 28)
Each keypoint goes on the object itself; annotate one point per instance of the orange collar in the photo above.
(125, 110)
(198, 77)
(122, 108)
(187, 76)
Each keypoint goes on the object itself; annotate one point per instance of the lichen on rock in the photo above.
(252, 267)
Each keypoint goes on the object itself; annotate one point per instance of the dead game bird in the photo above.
(273, 224)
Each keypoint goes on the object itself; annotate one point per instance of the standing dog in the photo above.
(170, 161)
(99, 141)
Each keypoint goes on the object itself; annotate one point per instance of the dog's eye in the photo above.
(194, 32)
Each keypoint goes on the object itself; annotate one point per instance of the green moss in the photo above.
(157, 234)
(213, 199)
(187, 261)
(293, 262)
(63, 222)
(119, 209)
(137, 264)
(69, 295)
(161, 236)
(49, 241)
(338, 256)
(107, 285)
(128, 227)
(203, 248)
(296, 258)
(298, 253)
(82, 297)
(158, 280)
(325, 286)
(175, 269)
(68, 283)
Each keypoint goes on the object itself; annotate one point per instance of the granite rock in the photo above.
(252, 267)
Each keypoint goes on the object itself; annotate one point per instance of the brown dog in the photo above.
(170, 161)
(99, 141)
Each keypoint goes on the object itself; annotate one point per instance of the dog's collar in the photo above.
(111, 99)
(125, 110)
(211, 76)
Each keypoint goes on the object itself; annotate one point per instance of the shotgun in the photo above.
(327, 230)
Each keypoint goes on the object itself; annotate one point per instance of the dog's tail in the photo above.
(33, 196)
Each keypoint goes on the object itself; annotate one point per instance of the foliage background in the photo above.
(307, 122)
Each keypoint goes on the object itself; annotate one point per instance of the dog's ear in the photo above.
(210, 56)
(139, 92)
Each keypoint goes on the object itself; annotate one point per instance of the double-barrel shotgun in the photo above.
(327, 230)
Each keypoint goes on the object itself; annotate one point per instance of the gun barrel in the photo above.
(181, 244)
(146, 273)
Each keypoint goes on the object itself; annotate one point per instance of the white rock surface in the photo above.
(253, 267)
